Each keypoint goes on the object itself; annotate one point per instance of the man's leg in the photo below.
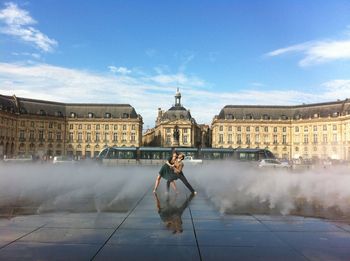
(187, 184)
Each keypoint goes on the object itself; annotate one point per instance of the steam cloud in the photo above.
(232, 187)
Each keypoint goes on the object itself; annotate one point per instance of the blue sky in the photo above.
(139, 52)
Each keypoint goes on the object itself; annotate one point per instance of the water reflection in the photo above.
(170, 213)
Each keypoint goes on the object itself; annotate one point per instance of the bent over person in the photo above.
(178, 166)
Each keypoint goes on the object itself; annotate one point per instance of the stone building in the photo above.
(319, 130)
(175, 128)
(37, 127)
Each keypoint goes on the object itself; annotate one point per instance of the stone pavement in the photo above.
(161, 227)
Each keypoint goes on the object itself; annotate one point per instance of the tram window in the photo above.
(242, 156)
(252, 156)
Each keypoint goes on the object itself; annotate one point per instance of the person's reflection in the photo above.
(170, 213)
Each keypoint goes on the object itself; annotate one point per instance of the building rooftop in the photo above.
(58, 109)
(266, 112)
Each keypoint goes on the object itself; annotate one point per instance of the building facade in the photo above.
(309, 131)
(175, 128)
(45, 128)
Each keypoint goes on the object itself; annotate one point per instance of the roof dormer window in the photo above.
(108, 115)
(90, 115)
(73, 115)
(266, 117)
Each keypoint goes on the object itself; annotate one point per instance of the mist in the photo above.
(235, 187)
(232, 187)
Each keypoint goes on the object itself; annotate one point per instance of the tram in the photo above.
(157, 155)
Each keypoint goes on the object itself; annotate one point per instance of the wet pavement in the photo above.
(171, 227)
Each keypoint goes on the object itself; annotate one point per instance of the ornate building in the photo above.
(175, 128)
(310, 130)
(36, 127)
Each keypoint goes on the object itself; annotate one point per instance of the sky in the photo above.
(217, 53)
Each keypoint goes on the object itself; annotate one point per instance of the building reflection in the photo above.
(170, 213)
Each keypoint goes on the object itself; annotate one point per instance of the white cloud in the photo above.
(147, 93)
(317, 52)
(18, 22)
(121, 70)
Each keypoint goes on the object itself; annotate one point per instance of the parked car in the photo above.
(191, 160)
(63, 160)
(273, 163)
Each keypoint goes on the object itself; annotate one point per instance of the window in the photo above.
(88, 126)
(229, 128)
(21, 135)
(133, 127)
(315, 128)
(334, 127)
(266, 129)
(239, 128)
(72, 114)
(41, 135)
(31, 135)
(315, 138)
(324, 127)
(335, 137)
(296, 129)
(59, 126)
(168, 139)
(185, 130)
(107, 115)
(80, 126)
(71, 136)
(50, 125)
(221, 128)
(71, 126)
(97, 137)
(115, 136)
(274, 129)
(284, 129)
(168, 130)
(123, 136)
(58, 136)
(248, 129)
(97, 126)
(133, 137)
(306, 129)
(184, 139)
(284, 139)
(324, 138)
(306, 139)
(239, 138)
(221, 138)
(50, 135)
(297, 138)
(106, 127)
(124, 127)
(229, 138)
(80, 137)
(257, 138)
(274, 139)
(247, 137)
(256, 129)
(115, 127)
(106, 137)
(90, 115)
(32, 124)
(23, 123)
(266, 138)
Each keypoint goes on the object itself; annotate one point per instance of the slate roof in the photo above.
(303, 111)
(58, 109)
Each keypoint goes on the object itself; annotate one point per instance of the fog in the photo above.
(231, 187)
